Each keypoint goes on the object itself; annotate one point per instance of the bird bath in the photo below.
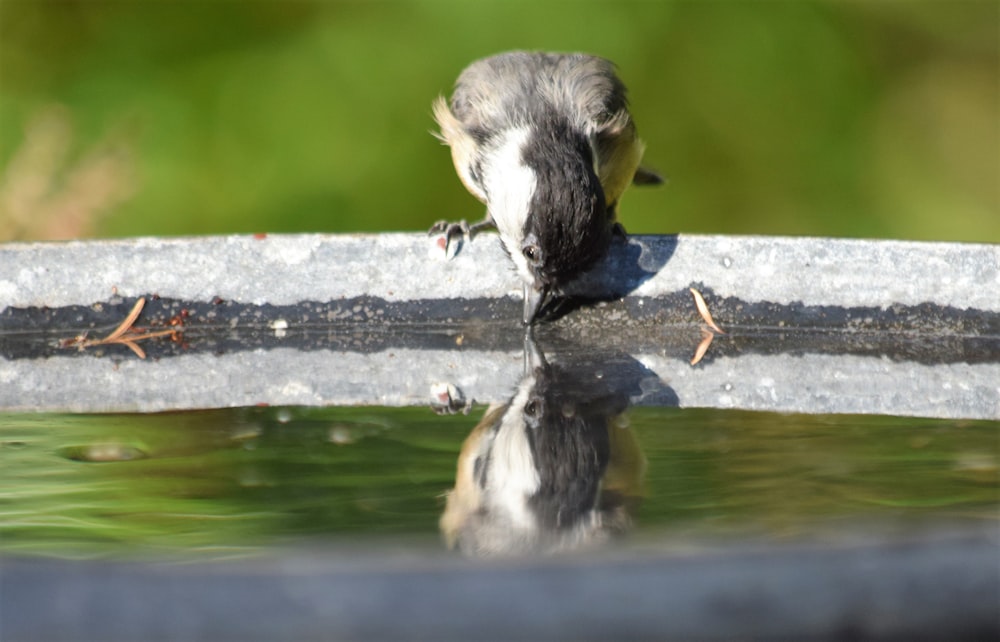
(260, 432)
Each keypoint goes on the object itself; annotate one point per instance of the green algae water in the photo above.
(244, 481)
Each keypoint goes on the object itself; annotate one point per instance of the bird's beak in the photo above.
(534, 299)
(533, 357)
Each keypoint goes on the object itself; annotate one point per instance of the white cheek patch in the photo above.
(510, 186)
(513, 478)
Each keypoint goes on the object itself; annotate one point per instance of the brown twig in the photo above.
(125, 325)
(706, 335)
(706, 340)
(125, 334)
(699, 303)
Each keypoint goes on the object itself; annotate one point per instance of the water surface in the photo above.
(248, 480)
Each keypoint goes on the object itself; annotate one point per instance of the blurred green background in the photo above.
(870, 119)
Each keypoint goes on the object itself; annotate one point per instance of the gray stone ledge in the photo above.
(914, 588)
(814, 325)
(286, 269)
(816, 384)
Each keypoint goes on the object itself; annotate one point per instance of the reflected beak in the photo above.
(533, 357)
(534, 299)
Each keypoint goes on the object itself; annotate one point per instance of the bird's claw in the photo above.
(448, 399)
(450, 230)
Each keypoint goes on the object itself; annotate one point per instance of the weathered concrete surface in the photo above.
(931, 588)
(814, 384)
(287, 269)
(814, 325)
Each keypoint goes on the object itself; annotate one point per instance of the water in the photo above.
(248, 481)
(599, 521)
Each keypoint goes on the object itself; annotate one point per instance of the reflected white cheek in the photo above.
(511, 186)
(513, 476)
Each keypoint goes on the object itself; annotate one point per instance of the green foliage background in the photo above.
(872, 119)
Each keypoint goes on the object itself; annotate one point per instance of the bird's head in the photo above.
(548, 204)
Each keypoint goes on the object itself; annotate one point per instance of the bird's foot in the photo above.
(448, 399)
(451, 230)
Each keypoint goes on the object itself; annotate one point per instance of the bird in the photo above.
(547, 142)
(552, 469)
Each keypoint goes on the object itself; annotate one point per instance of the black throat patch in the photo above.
(568, 213)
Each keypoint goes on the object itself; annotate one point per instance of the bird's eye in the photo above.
(533, 412)
(532, 253)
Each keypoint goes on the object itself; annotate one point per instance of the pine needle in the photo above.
(699, 302)
(706, 340)
(124, 326)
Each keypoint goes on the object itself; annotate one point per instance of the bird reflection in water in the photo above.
(557, 467)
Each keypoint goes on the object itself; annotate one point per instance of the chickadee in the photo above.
(547, 142)
(553, 469)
